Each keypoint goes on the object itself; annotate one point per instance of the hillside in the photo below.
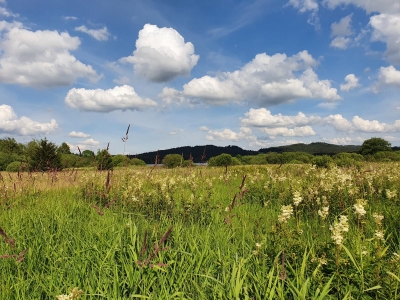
(211, 150)
(318, 148)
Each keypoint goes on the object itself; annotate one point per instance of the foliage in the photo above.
(44, 156)
(6, 159)
(88, 153)
(324, 161)
(137, 162)
(11, 146)
(120, 160)
(374, 145)
(172, 160)
(64, 149)
(17, 166)
(191, 233)
(104, 160)
(222, 160)
(69, 160)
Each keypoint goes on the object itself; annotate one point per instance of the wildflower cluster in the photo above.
(286, 213)
(338, 229)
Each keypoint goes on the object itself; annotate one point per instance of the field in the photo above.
(253, 232)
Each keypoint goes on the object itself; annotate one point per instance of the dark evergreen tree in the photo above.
(44, 156)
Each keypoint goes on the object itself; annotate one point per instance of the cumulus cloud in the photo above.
(99, 34)
(119, 98)
(263, 118)
(6, 13)
(382, 6)
(79, 134)
(345, 140)
(89, 144)
(161, 54)
(203, 128)
(307, 6)
(388, 76)
(343, 27)
(340, 42)
(266, 80)
(40, 59)
(229, 135)
(340, 31)
(351, 83)
(10, 124)
(284, 131)
(300, 123)
(386, 28)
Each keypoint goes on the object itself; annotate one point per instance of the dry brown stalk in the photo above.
(7, 239)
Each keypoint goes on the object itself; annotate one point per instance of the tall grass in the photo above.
(198, 233)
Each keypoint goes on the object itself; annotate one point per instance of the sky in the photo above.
(255, 73)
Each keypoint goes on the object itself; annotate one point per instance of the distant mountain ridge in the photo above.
(208, 151)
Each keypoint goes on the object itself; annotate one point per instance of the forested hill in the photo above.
(211, 150)
(197, 153)
(313, 148)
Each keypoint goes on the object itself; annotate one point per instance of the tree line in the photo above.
(43, 155)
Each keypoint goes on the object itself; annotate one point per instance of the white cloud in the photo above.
(386, 28)
(161, 54)
(229, 135)
(9, 123)
(119, 98)
(173, 133)
(6, 13)
(98, 34)
(307, 6)
(304, 5)
(40, 59)
(266, 80)
(370, 6)
(89, 144)
(340, 42)
(289, 125)
(387, 76)
(67, 18)
(345, 140)
(203, 128)
(3, 1)
(171, 96)
(351, 83)
(263, 118)
(284, 131)
(343, 27)
(79, 134)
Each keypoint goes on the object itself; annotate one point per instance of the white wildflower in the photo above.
(380, 235)
(378, 219)
(286, 213)
(359, 208)
(338, 228)
(324, 212)
(297, 198)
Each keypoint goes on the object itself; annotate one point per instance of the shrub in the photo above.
(137, 162)
(120, 160)
(104, 160)
(324, 161)
(16, 166)
(172, 160)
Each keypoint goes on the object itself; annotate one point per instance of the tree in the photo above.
(222, 160)
(44, 156)
(172, 160)
(374, 145)
(88, 153)
(11, 146)
(64, 149)
(120, 160)
(104, 160)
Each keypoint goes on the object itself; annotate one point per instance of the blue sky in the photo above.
(249, 73)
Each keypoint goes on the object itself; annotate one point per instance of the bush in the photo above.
(69, 160)
(324, 161)
(120, 160)
(137, 162)
(17, 166)
(172, 160)
(44, 156)
(6, 159)
(104, 160)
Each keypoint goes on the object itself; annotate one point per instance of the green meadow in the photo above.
(292, 231)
